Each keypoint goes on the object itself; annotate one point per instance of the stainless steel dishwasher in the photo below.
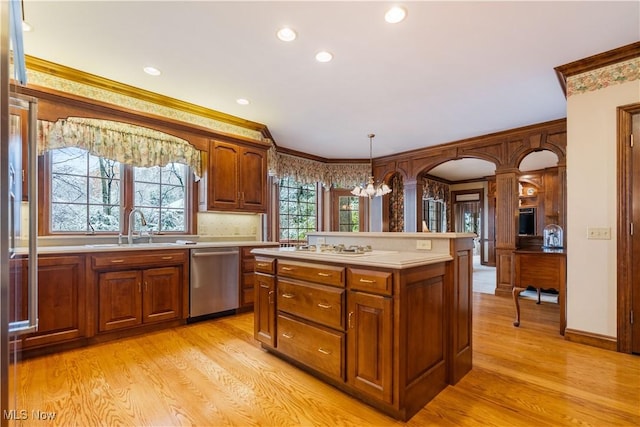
(214, 281)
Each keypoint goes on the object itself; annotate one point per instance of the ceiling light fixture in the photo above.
(152, 71)
(371, 189)
(395, 14)
(286, 34)
(242, 101)
(324, 56)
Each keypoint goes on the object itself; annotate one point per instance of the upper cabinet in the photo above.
(235, 178)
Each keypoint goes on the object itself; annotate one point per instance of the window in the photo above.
(349, 213)
(90, 193)
(297, 210)
(434, 213)
(160, 195)
(85, 192)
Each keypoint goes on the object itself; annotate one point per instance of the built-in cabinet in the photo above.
(236, 178)
(61, 300)
(383, 335)
(136, 289)
(247, 276)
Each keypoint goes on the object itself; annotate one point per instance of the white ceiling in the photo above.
(451, 70)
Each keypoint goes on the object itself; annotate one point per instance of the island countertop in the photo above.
(375, 258)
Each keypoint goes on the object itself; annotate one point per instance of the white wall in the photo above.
(591, 202)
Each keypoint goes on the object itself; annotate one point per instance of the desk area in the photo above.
(541, 268)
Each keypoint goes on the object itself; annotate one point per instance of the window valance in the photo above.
(125, 143)
(434, 190)
(307, 171)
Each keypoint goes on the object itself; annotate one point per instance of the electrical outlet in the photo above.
(320, 240)
(599, 233)
(423, 244)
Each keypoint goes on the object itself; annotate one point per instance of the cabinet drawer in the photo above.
(322, 304)
(380, 282)
(319, 273)
(137, 258)
(318, 348)
(265, 265)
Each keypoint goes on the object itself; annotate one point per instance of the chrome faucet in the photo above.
(142, 222)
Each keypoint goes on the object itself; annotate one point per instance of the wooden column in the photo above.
(506, 228)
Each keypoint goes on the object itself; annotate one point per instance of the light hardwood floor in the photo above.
(214, 374)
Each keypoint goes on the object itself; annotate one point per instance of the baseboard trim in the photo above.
(589, 338)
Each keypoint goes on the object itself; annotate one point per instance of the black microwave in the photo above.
(527, 222)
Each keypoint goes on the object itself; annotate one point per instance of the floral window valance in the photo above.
(125, 143)
(307, 171)
(434, 190)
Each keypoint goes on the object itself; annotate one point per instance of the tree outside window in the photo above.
(160, 195)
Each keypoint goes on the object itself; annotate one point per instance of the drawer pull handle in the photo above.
(263, 264)
(288, 296)
(287, 335)
(287, 269)
(323, 305)
(271, 297)
(323, 351)
(367, 281)
(324, 274)
(116, 261)
(349, 320)
(167, 257)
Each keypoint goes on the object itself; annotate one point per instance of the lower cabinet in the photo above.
(136, 289)
(130, 298)
(61, 301)
(378, 334)
(370, 344)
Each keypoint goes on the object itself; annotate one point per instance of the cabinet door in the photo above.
(264, 306)
(253, 176)
(370, 344)
(223, 175)
(61, 300)
(161, 296)
(120, 299)
(18, 289)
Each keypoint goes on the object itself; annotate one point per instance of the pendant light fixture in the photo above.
(371, 189)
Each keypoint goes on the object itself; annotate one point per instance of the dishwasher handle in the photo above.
(208, 254)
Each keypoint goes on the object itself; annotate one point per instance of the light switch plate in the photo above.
(423, 244)
(599, 233)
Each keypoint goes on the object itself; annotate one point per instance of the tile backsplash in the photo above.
(217, 224)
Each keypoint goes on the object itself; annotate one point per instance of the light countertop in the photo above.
(376, 258)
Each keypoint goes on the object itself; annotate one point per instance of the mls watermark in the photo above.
(23, 414)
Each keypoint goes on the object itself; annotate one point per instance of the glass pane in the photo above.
(172, 220)
(103, 168)
(147, 174)
(174, 174)
(67, 217)
(105, 218)
(68, 188)
(69, 161)
(172, 197)
(105, 191)
(147, 194)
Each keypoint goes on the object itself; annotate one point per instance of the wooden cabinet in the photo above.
(236, 178)
(140, 288)
(247, 278)
(62, 301)
(370, 345)
(393, 337)
(264, 308)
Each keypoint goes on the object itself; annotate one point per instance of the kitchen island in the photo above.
(391, 327)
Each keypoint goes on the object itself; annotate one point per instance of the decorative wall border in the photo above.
(604, 77)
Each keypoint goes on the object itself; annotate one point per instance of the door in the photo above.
(467, 215)
(223, 183)
(635, 237)
(119, 299)
(348, 212)
(264, 315)
(370, 344)
(161, 297)
(253, 176)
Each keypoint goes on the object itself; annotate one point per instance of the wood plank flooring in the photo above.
(214, 374)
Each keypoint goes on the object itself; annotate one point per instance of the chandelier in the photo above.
(371, 189)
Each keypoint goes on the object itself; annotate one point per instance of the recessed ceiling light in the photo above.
(242, 101)
(324, 56)
(286, 34)
(26, 27)
(395, 15)
(152, 71)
